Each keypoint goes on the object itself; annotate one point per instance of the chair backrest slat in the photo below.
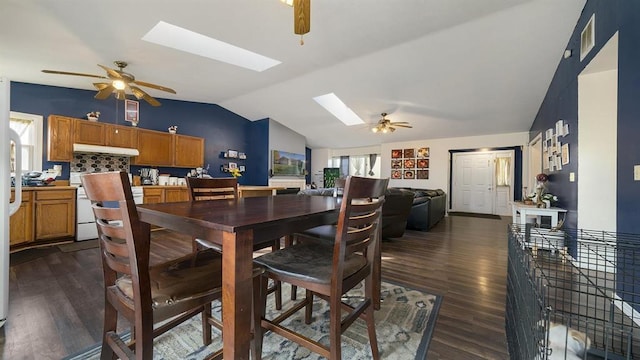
(212, 188)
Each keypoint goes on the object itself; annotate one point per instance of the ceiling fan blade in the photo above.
(399, 122)
(140, 94)
(403, 126)
(154, 86)
(104, 90)
(73, 73)
(113, 74)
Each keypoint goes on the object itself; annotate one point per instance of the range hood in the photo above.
(111, 150)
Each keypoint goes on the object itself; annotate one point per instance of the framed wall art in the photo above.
(409, 163)
(396, 174)
(396, 164)
(423, 152)
(423, 163)
(409, 174)
(396, 154)
(409, 153)
(422, 174)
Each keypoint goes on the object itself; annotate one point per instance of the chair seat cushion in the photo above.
(311, 262)
(188, 278)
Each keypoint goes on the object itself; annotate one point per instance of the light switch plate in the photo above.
(636, 172)
(572, 177)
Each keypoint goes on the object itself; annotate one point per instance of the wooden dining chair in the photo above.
(328, 270)
(220, 189)
(144, 296)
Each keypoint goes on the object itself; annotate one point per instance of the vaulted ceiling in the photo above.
(449, 67)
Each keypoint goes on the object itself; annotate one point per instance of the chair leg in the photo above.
(277, 284)
(370, 291)
(335, 329)
(144, 338)
(206, 327)
(110, 325)
(308, 310)
(260, 290)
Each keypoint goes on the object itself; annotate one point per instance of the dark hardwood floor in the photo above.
(55, 302)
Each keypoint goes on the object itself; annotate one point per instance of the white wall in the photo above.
(439, 156)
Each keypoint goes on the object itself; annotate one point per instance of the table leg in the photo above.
(237, 293)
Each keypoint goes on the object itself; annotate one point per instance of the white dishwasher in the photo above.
(86, 223)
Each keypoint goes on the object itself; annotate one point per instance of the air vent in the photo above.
(588, 37)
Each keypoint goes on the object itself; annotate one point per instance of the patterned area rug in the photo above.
(404, 325)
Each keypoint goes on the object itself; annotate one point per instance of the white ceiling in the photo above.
(449, 67)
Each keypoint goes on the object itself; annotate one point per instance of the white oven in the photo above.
(86, 223)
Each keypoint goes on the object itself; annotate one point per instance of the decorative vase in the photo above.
(547, 203)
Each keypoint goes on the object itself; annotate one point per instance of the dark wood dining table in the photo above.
(237, 225)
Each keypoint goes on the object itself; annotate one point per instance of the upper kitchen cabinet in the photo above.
(121, 136)
(60, 138)
(89, 132)
(189, 151)
(156, 148)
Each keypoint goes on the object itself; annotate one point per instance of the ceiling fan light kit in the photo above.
(120, 82)
(386, 126)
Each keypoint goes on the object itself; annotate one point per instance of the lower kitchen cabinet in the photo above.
(45, 216)
(21, 222)
(160, 194)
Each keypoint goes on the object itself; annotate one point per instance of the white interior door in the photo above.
(535, 163)
(473, 189)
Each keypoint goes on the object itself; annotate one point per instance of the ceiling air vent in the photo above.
(588, 37)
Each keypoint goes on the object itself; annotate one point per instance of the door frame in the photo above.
(517, 168)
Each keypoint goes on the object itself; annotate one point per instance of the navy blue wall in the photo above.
(561, 102)
(221, 128)
(259, 157)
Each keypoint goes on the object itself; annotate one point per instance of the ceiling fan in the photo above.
(386, 126)
(119, 82)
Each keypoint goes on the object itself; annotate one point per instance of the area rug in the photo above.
(484, 216)
(404, 325)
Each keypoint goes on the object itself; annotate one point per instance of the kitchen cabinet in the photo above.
(89, 132)
(21, 223)
(121, 136)
(189, 151)
(153, 195)
(156, 148)
(176, 194)
(60, 138)
(55, 214)
(159, 194)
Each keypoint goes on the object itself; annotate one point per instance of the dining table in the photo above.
(237, 225)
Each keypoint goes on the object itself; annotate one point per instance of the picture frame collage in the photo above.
(233, 154)
(555, 154)
(410, 163)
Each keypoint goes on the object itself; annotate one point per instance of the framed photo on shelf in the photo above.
(241, 168)
(131, 111)
(233, 165)
(396, 154)
(242, 155)
(233, 154)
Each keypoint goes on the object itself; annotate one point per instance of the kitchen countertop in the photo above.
(47, 188)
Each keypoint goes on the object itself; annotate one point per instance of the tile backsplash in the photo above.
(99, 163)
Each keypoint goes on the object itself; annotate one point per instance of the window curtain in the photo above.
(503, 171)
(344, 166)
(358, 163)
(372, 162)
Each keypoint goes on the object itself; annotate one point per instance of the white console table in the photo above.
(539, 237)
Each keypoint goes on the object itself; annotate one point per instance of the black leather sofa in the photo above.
(428, 208)
(395, 211)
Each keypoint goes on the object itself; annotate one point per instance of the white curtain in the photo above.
(503, 171)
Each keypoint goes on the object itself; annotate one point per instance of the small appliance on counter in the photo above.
(149, 176)
(39, 178)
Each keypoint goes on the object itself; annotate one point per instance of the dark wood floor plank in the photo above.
(464, 259)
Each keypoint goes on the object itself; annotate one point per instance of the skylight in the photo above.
(337, 108)
(178, 38)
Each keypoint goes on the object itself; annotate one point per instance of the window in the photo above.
(503, 171)
(358, 165)
(29, 128)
